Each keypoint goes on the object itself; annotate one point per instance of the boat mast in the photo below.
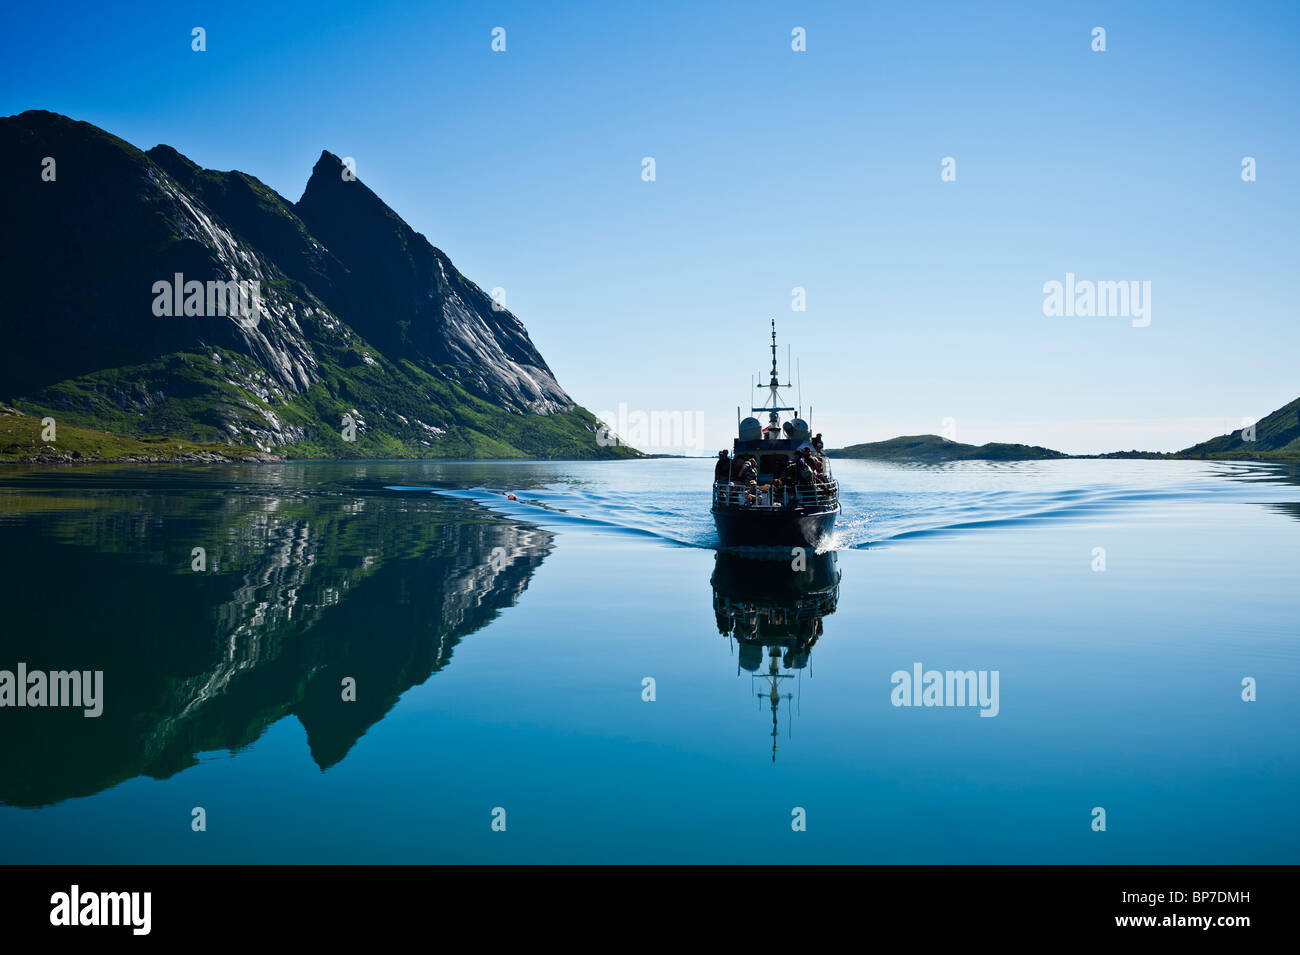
(774, 694)
(773, 404)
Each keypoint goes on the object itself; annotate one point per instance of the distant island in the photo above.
(1276, 438)
(931, 447)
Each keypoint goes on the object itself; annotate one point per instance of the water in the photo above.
(499, 650)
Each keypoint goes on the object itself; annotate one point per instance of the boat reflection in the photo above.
(773, 610)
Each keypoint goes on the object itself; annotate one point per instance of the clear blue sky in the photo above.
(778, 169)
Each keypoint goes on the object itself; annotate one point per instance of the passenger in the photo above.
(751, 493)
(722, 470)
(737, 465)
(817, 442)
(749, 471)
(790, 474)
(806, 474)
(783, 489)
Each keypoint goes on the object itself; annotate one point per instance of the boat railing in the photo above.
(772, 496)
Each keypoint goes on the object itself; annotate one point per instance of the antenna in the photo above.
(799, 372)
(775, 379)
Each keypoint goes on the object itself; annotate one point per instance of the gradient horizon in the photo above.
(777, 170)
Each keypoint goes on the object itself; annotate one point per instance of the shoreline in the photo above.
(203, 457)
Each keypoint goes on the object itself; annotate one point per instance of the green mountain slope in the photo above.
(1276, 435)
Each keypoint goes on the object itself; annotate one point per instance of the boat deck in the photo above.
(824, 495)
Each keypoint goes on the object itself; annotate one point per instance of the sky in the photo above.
(778, 169)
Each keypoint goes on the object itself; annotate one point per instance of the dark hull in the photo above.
(757, 527)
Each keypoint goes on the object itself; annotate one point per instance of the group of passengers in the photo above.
(806, 468)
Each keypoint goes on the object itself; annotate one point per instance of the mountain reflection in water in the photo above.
(283, 613)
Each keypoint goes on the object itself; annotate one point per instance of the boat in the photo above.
(760, 509)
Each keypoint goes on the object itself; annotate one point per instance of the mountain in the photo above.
(1276, 435)
(932, 448)
(359, 314)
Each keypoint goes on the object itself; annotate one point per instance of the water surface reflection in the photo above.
(297, 593)
(773, 610)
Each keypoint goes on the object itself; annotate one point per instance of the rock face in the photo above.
(405, 296)
(359, 314)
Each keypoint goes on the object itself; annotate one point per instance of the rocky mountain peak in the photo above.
(410, 300)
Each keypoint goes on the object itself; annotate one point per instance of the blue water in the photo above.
(499, 650)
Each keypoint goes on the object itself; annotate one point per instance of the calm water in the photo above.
(499, 650)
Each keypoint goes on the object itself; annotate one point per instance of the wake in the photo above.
(678, 515)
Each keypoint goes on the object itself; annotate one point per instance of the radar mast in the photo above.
(773, 405)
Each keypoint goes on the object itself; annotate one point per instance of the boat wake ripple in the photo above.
(880, 506)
